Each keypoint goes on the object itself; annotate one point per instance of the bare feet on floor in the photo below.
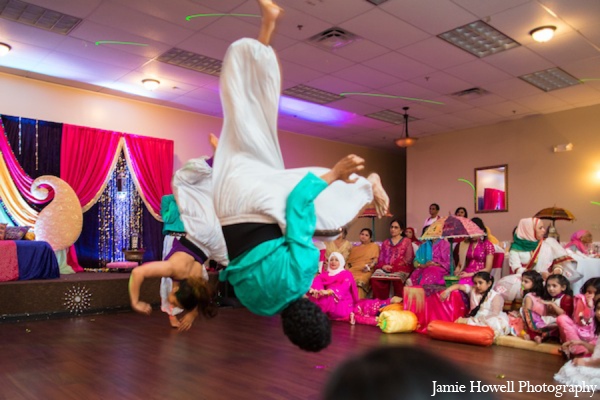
(174, 321)
(537, 339)
(352, 319)
(381, 199)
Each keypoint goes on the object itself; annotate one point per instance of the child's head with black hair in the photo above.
(556, 285)
(397, 373)
(482, 284)
(532, 282)
(306, 325)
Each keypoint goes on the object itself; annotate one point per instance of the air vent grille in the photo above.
(193, 61)
(312, 94)
(390, 116)
(333, 38)
(39, 17)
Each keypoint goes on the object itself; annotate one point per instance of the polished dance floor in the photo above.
(236, 355)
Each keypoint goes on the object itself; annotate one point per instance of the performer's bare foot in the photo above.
(380, 197)
(352, 319)
(174, 321)
(213, 140)
(537, 339)
(396, 300)
(270, 13)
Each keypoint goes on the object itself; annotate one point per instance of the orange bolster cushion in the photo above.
(461, 333)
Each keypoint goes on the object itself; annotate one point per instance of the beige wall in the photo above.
(51, 102)
(537, 177)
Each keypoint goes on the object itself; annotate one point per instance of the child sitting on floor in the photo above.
(537, 322)
(486, 304)
(582, 370)
(580, 332)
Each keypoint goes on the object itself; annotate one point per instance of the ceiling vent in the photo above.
(193, 61)
(39, 17)
(470, 94)
(333, 39)
(312, 94)
(390, 116)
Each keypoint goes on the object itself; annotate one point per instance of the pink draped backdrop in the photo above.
(20, 178)
(86, 158)
(152, 164)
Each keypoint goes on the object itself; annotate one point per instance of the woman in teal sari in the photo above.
(432, 263)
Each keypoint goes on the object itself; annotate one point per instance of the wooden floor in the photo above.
(237, 355)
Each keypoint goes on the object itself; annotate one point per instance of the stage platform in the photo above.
(83, 293)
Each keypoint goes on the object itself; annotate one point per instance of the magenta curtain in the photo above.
(152, 164)
(20, 178)
(87, 157)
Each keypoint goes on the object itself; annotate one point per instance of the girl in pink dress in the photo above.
(537, 322)
(335, 292)
(582, 327)
(480, 257)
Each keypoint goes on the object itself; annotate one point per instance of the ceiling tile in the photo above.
(384, 29)
(437, 53)
(314, 58)
(478, 72)
(398, 65)
(432, 16)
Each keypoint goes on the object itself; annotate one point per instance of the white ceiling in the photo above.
(398, 54)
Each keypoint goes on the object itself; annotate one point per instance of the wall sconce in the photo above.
(4, 49)
(543, 33)
(150, 84)
(559, 148)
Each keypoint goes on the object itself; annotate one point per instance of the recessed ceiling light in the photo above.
(543, 33)
(4, 49)
(150, 84)
(479, 39)
(550, 79)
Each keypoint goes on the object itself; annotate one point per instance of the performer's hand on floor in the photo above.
(187, 321)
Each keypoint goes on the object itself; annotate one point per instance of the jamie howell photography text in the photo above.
(583, 390)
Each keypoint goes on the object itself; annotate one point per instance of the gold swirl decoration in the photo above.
(60, 223)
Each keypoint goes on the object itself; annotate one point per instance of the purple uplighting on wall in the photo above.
(314, 112)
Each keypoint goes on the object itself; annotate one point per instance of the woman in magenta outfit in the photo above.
(395, 263)
(335, 292)
(480, 257)
(432, 263)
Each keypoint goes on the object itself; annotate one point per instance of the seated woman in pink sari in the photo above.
(581, 244)
(480, 257)
(395, 263)
(335, 292)
(432, 263)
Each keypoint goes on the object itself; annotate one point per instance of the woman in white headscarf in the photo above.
(335, 292)
(334, 289)
(530, 251)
